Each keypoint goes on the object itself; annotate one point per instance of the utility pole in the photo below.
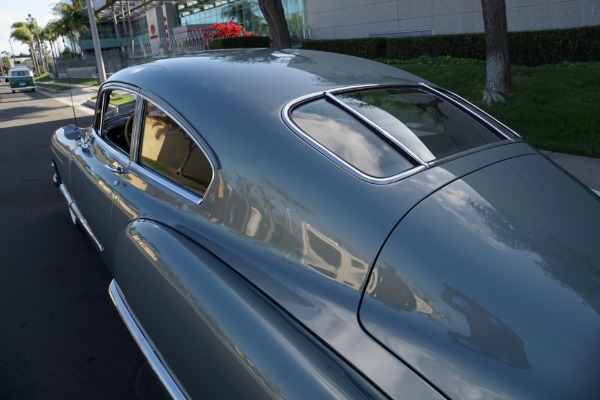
(96, 39)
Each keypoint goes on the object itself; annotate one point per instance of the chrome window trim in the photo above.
(375, 127)
(159, 368)
(170, 184)
(118, 154)
(477, 112)
(102, 97)
(421, 165)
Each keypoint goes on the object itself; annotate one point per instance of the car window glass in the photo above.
(428, 125)
(117, 124)
(349, 139)
(168, 150)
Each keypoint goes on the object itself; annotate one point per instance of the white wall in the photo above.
(331, 19)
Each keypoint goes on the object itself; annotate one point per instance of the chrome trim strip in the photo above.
(168, 183)
(480, 114)
(376, 127)
(285, 112)
(79, 216)
(330, 94)
(159, 369)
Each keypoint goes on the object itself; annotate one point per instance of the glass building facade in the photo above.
(244, 12)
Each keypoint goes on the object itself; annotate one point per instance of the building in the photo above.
(329, 19)
(156, 25)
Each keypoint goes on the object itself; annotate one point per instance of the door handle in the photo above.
(117, 170)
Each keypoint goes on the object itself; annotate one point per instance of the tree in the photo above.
(74, 20)
(273, 12)
(51, 33)
(21, 32)
(36, 31)
(496, 45)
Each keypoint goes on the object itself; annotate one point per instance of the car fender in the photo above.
(217, 326)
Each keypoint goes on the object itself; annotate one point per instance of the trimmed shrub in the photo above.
(470, 45)
(240, 42)
(526, 48)
(367, 48)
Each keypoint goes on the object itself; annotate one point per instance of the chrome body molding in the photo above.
(73, 207)
(158, 367)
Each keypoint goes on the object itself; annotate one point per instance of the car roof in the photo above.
(274, 76)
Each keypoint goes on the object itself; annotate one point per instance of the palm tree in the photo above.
(74, 20)
(111, 3)
(51, 33)
(21, 32)
(36, 31)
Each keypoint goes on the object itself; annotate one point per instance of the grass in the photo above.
(554, 107)
(51, 86)
(78, 81)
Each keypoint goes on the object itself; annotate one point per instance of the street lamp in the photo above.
(12, 52)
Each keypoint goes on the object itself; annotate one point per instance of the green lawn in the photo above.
(81, 81)
(554, 107)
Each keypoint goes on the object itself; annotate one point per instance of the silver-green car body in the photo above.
(298, 224)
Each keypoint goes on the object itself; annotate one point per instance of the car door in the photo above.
(101, 159)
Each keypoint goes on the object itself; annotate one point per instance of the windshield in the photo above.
(426, 124)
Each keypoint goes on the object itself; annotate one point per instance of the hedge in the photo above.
(240, 42)
(526, 48)
(366, 48)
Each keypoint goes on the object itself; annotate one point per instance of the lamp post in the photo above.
(12, 52)
(96, 40)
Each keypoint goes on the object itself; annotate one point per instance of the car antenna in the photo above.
(70, 89)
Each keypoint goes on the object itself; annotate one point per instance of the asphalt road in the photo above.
(60, 335)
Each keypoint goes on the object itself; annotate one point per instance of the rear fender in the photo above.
(214, 333)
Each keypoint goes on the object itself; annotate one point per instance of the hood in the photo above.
(490, 287)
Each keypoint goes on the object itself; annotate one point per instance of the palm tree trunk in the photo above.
(116, 24)
(130, 28)
(35, 63)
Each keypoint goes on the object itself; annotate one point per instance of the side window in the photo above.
(117, 123)
(169, 151)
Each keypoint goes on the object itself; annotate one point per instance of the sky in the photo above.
(16, 11)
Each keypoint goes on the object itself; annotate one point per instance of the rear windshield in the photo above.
(20, 72)
(385, 131)
(429, 126)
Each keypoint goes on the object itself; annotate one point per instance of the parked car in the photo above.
(298, 224)
(21, 78)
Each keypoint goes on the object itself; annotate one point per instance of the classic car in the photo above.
(300, 224)
(21, 78)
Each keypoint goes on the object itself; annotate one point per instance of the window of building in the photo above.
(171, 152)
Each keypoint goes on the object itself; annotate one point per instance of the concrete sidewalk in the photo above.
(79, 96)
(586, 169)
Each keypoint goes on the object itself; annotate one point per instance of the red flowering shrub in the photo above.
(226, 30)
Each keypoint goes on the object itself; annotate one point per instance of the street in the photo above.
(60, 335)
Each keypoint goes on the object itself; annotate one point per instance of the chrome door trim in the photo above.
(161, 371)
(84, 224)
